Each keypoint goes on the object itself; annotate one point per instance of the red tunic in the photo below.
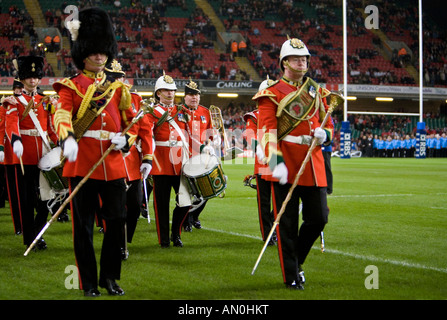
(293, 154)
(199, 128)
(2, 128)
(134, 157)
(169, 150)
(251, 133)
(111, 120)
(17, 126)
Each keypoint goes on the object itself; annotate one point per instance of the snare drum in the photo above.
(205, 176)
(51, 166)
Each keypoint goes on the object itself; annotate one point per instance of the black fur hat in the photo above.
(30, 67)
(93, 33)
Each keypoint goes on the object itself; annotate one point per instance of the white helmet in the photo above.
(164, 82)
(293, 47)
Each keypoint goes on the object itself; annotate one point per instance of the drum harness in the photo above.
(30, 111)
(165, 117)
(59, 195)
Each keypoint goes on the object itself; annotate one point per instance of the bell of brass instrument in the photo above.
(217, 123)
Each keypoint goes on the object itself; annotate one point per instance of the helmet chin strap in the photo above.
(165, 97)
(286, 63)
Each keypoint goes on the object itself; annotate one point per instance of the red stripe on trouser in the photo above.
(281, 259)
(261, 225)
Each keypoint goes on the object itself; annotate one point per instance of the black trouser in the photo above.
(11, 182)
(113, 196)
(162, 197)
(29, 199)
(193, 214)
(134, 197)
(295, 243)
(327, 165)
(265, 214)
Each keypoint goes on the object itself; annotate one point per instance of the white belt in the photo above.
(304, 139)
(31, 132)
(99, 134)
(172, 143)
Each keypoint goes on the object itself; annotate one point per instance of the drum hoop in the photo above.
(50, 155)
(203, 173)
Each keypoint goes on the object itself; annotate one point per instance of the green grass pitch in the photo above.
(390, 214)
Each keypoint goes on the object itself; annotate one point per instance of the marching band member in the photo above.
(261, 170)
(10, 167)
(28, 129)
(138, 157)
(171, 148)
(200, 130)
(90, 115)
(290, 114)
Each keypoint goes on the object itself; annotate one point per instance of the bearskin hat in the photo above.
(92, 33)
(29, 67)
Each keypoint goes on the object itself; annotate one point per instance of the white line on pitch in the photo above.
(374, 195)
(352, 255)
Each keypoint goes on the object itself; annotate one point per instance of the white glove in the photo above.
(119, 141)
(2, 156)
(70, 149)
(208, 150)
(280, 172)
(10, 100)
(18, 148)
(320, 135)
(145, 169)
(260, 153)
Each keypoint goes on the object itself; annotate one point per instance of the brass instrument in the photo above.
(217, 123)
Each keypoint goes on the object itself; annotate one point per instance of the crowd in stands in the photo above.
(18, 25)
(393, 136)
(395, 20)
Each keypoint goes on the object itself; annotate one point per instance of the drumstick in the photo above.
(209, 157)
(207, 160)
(21, 165)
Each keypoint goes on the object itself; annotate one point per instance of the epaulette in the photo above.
(325, 92)
(263, 93)
(67, 82)
(272, 83)
(252, 115)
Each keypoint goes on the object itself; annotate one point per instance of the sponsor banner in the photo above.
(252, 86)
(393, 90)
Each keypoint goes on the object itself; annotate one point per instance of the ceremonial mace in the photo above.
(146, 107)
(335, 100)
